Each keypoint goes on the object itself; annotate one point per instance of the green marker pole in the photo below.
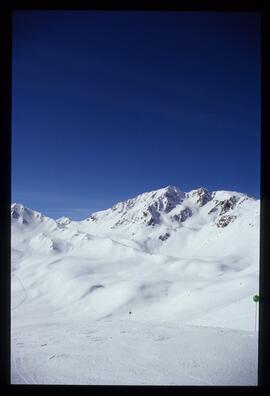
(256, 299)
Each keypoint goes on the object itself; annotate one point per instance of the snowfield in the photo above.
(132, 353)
(156, 290)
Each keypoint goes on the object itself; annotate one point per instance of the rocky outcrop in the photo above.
(164, 236)
(183, 215)
(224, 206)
(203, 196)
(224, 221)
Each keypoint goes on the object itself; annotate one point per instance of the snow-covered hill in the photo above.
(189, 258)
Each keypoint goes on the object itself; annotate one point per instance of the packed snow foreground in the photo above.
(156, 290)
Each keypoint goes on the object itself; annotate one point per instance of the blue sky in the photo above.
(107, 105)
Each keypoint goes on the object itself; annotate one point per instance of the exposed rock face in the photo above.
(164, 236)
(224, 206)
(154, 215)
(204, 196)
(92, 218)
(164, 202)
(151, 222)
(183, 215)
(228, 204)
(224, 221)
(172, 197)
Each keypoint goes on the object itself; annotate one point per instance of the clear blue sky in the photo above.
(107, 105)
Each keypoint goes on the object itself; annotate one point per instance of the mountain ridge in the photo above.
(155, 201)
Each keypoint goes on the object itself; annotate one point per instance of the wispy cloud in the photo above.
(56, 205)
(60, 199)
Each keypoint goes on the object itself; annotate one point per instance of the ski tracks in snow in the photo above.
(19, 370)
(24, 290)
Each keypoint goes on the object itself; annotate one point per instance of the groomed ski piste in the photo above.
(156, 290)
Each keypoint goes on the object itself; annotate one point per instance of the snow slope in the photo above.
(132, 353)
(188, 261)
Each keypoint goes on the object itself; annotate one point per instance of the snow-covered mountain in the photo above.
(165, 207)
(149, 243)
(165, 256)
(169, 205)
(166, 221)
(153, 208)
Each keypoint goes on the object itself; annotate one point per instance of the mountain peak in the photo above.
(172, 188)
(202, 195)
(17, 206)
(170, 192)
(63, 220)
(23, 214)
(168, 189)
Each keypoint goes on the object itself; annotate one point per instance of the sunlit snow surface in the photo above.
(192, 319)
